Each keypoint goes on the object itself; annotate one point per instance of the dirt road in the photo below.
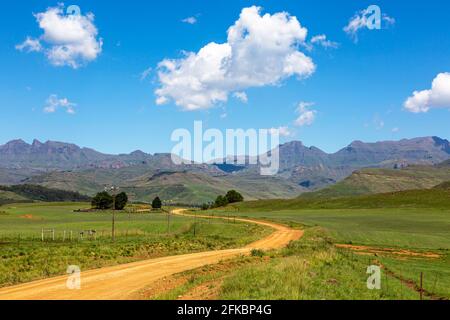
(125, 281)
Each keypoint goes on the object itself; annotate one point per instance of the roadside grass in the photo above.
(436, 273)
(308, 269)
(194, 278)
(422, 230)
(311, 269)
(138, 236)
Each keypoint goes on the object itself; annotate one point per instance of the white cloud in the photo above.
(322, 40)
(53, 103)
(68, 40)
(395, 130)
(242, 96)
(281, 131)
(261, 50)
(30, 45)
(190, 20)
(437, 97)
(366, 19)
(306, 116)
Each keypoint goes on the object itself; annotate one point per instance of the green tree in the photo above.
(233, 196)
(157, 204)
(221, 201)
(121, 201)
(102, 201)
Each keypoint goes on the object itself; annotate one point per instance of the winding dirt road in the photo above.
(124, 282)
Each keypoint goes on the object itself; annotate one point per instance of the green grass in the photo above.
(24, 257)
(437, 198)
(410, 228)
(309, 269)
(378, 180)
(417, 220)
(436, 279)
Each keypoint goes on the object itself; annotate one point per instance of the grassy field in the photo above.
(310, 269)
(410, 228)
(400, 229)
(25, 257)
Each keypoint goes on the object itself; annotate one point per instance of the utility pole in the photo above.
(168, 221)
(113, 190)
(195, 225)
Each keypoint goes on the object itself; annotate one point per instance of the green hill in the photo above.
(30, 193)
(425, 198)
(372, 181)
(143, 184)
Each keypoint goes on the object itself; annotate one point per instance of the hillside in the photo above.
(424, 198)
(176, 186)
(372, 181)
(30, 193)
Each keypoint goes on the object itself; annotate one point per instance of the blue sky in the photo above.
(358, 88)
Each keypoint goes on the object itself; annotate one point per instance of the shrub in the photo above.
(233, 196)
(157, 203)
(102, 201)
(121, 201)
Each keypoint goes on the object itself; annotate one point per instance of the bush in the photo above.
(102, 201)
(233, 196)
(157, 203)
(257, 253)
(221, 201)
(121, 201)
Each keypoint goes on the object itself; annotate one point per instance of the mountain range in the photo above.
(302, 169)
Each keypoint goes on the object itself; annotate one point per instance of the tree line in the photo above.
(105, 201)
(232, 196)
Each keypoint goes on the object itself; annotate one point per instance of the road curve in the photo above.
(124, 282)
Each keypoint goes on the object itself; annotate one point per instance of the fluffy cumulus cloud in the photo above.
(370, 18)
(54, 103)
(306, 116)
(436, 97)
(261, 50)
(67, 40)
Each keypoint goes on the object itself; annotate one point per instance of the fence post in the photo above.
(421, 286)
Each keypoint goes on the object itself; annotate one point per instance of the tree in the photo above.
(221, 201)
(233, 196)
(102, 201)
(121, 201)
(157, 204)
(205, 206)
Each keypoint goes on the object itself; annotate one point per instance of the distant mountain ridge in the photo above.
(67, 166)
(59, 155)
